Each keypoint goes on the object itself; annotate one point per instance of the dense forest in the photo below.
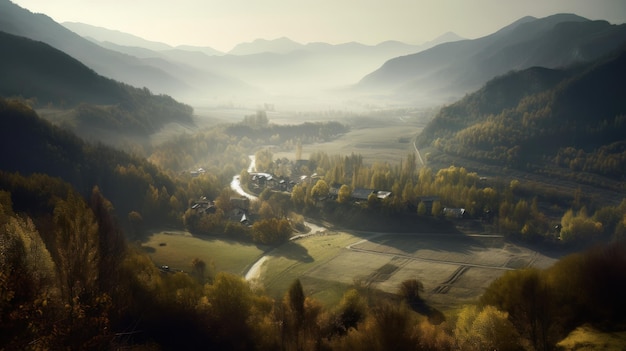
(33, 145)
(538, 118)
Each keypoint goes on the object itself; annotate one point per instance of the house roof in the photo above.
(361, 193)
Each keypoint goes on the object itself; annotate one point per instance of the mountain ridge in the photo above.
(64, 82)
(21, 22)
(570, 118)
(462, 66)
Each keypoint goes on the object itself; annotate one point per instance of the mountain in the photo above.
(113, 36)
(189, 66)
(58, 78)
(282, 66)
(18, 21)
(122, 39)
(573, 119)
(41, 148)
(444, 38)
(203, 49)
(275, 68)
(62, 81)
(455, 68)
(279, 46)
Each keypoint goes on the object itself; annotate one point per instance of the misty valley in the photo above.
(461, 194)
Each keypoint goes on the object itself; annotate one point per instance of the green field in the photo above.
(296, 259)
(454, 269)
(178, 248)
(377, 140)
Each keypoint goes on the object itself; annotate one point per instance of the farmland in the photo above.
(454, 268)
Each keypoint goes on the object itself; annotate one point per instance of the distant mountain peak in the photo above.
(282, 45)
(448, 36)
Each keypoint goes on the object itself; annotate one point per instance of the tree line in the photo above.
(516, 208)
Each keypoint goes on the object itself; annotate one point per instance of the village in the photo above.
(258, 182)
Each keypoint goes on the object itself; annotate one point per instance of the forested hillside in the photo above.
(573, 118)
(60, 81)
(32, 145)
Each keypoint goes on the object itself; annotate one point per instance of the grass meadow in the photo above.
(178, 248)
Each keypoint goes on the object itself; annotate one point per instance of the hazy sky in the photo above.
(222, 24)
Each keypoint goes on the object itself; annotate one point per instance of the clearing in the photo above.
(178, 248)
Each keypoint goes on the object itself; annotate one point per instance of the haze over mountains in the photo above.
(463, 66)
(431, 73)
(277, 66)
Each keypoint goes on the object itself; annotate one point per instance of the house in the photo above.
(333, 190)
(454, 212)
(244, 219)
(203, 206)
(358, 194)
(361, 194)
(383, 194)
(197, 172)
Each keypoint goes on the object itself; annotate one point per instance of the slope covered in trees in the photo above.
(48, 77)
(32, 145)
(574, 118)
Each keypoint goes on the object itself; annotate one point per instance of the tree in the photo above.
(299, 150)
(437, 209)
(227, 309)
(579, 227)
(372, 201)
(295, 321)
(320, 190)
(295, 302)
(111, 241)
(77, 252)
(529, 300)
(28, 284)
(410, 290)
(408, 195)
(198, 269)
(271, 231)
(136, 223)
(344, 194)
(489, 329)
(351, 311)
(421, 209)
(266, 210)
(298, 196)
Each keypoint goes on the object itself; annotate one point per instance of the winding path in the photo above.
(255, 270)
